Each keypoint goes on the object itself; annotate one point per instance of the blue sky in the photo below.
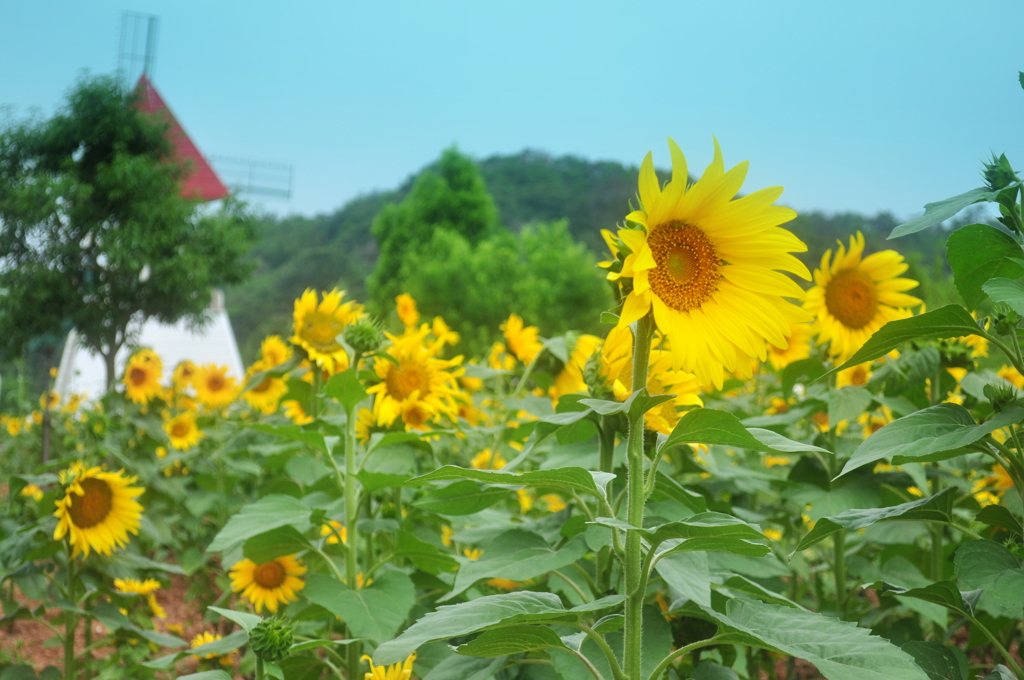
(864, 106)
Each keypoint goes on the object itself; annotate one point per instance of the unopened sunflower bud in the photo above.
(998, 173)
(1004, 319)
(271, 640)
(1002, 396)
(594, 378)
(364, 336)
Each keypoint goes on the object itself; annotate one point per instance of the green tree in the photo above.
(93, 232)
(450, 196)
(542, 274)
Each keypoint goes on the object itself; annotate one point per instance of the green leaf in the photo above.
(284, 540)
(295, 433)
(490, 611)
(1001, 672)
(461, 498)
(516, 555)
(663, 484)
(847, 403)
(709, 670)
(811, 368)
(951, 321)
(1008, 291)
(977, 253)
(111, 618)
(346, 389)
(943, 427)
(938, 661)
(687, 574)
(709, 426)
(989, 566)
(375, 612)
(511, 640)
(937, 508)
(425, 556)
(998, 516)
(306, 470)
(741, 584)
(319, 644)
(840, 650)
(244, 619)
(570, 479)
(943, 593)
(637, 404)
(225, 645)
(267, 513)
(940, 211)
(704, 525)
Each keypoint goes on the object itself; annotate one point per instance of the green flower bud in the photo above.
(1002, 396)
(1004, 319)
(998, 174)
(271, 640)
(364, 336)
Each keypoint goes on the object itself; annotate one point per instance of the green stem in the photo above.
(572, 584)
(70, 619)
(999, 646)
(657, 673)
(936, 531)
(635, 500)
(314, 396)
(607, 438)
(526, 376)
(1015, 359)
(351, 520)
(609, 655)
(839, 566)
(259, 669)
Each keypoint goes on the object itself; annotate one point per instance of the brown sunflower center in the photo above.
(415, 416)
(851, 297)
(263, 386)
(137, 376)
(180, 429)
(215, 382)
(269, 574)
(406, 379)
(858, 376)
(688, 268)
(320, 330)
(93, 506)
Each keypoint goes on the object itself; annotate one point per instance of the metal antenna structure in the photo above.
(136, 51)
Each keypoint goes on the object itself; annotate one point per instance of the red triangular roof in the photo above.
(202, 183)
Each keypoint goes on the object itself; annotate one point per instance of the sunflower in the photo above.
(214, 387)
(406, 310)
(184, 374)
(265, 396)
(617, 369)
(98, 510)
(522, 340)
(857, 376)
(415, 386)
(131, 586)
(32, 491)
(485, 460)
(13, 426)
(443, 335)
(49, 400)
(295, 412)
(1011, 375)
(206, 638)
(317, 327)
(182, 431)
(798, 347)
(499, 358)
(398, 671)
(853, 297)
(332, 530)
(142, 377)
(710, 267)
(365, 422)
(274, 352)
(570, 379)
(268, 584)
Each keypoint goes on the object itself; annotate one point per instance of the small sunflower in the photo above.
(332, 530)
(711, 267)
(853, 296)
(570, 378)
(132, 586)
(265, 396)
(206, 638)
(1011, 375)
(182, 431)
(317, 327)
(798, 347)
(296, 412)
(522, 340)
(214, 387)
(184, 374)
(443, 335)
(415, 386)
(269, 584)
(98, 510)
(857, 376)
(486, 460)
(49, 400)
(32, 491)
(274, 352)
(406, 310)
(142, 377)
(398, 671)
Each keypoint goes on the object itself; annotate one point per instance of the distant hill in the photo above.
(337, 249)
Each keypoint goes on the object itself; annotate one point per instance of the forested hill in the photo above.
(338, 249)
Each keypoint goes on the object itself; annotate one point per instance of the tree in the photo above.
(451, 196)
(94, 234)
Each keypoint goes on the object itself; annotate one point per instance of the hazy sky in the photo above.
(863, 106)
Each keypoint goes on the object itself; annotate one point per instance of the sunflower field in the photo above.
(759, 471)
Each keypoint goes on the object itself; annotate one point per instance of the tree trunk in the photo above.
(109, 358)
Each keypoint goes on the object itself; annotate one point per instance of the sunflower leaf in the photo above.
(977, 253)
(256, 518)
(511, 640)
(708, 426)
(375, 611)
(346, 389)
(940, 211)
(1008, 291)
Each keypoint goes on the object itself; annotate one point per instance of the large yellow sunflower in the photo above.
(522, 340)
(570, 379)
(265, 396)
(182, 430)
(710, 266)
(317, 327)
(419, 387)
(853, 297)
(98, 510)
(269, 584)
(214, 387)
(617, 369)
(142, 377)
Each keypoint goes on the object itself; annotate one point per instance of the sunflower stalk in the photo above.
(352, 516)
(635, 580)
(70, 619)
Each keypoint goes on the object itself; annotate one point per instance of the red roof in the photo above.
(202, 183)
